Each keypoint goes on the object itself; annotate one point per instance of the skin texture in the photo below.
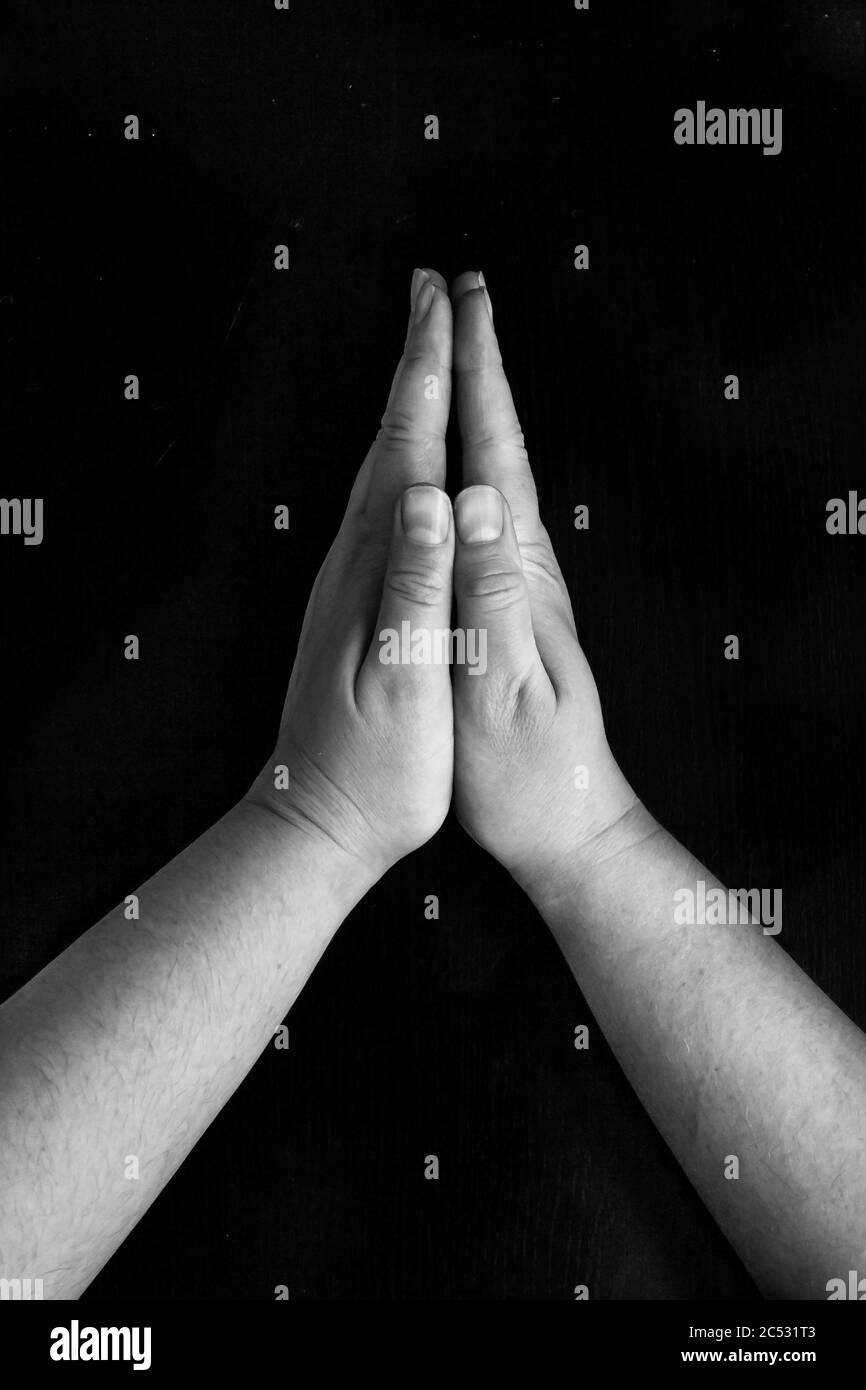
(732, 1049)
(131, 1041)
(370, 746)
(535, 717)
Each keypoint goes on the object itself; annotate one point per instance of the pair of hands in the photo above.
(375, 750)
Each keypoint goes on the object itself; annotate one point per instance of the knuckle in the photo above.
(402, 428)
(418, 585)
(404, 437)
(498, 588)
(510, 438)
(539, 562)
(398, 429)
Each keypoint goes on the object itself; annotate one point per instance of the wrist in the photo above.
(563, 875)
(307, 849)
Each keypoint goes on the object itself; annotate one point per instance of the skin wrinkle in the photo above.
(133, 1039)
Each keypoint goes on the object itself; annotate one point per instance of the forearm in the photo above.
(734, 1051)
(117, 1056)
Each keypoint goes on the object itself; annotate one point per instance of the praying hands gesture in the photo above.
(136, 1036)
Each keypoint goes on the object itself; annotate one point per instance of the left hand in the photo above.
(535, 781)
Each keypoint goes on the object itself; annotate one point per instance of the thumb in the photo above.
(493, 600)
(412, 627)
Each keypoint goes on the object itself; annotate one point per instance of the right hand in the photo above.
(369, 746)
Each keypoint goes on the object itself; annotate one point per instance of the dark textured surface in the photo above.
(707, 518)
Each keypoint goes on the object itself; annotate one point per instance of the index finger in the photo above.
(410, 445)
(494, 452)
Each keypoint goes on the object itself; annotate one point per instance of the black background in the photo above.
(707, 517)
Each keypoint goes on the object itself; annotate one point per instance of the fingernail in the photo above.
(424, 300)
(425, 515)
(482, 285)
(418, 279)
(479, 515)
